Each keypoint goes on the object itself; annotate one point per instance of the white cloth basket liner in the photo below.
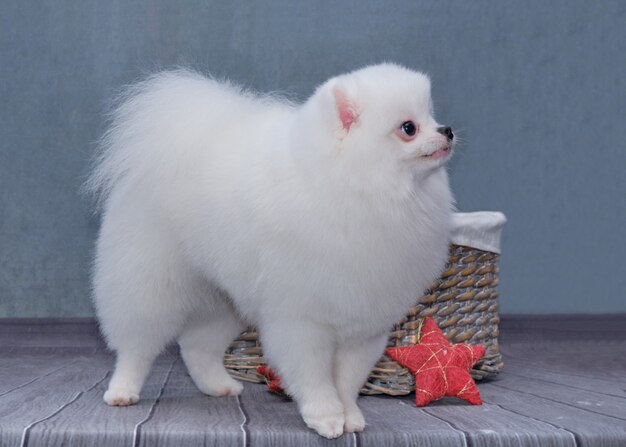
(480, 229)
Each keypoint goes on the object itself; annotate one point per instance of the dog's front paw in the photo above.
(328, 426)
(221, 388)
(120, 397)
(354, 420)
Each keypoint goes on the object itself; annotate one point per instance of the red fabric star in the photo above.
(440, 368)
(272, 379)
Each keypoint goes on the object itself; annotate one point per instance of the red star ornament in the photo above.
(272, 379)
(440, 368)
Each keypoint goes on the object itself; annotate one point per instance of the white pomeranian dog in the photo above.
(319, 223)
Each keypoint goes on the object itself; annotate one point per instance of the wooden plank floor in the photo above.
(564, 384)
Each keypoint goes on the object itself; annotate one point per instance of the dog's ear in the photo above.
(345, 107)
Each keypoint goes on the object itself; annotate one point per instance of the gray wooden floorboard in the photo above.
(114, 426)
(602, 361)
(20, 370)
(77, 392)
(40, 399)
(184, 416)
(551, 374)
(274, 420)
(397, 421)
(490, 425)
(564, 384)
(590, 401)
(589, 429)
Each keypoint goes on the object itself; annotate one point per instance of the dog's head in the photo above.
(380, 120)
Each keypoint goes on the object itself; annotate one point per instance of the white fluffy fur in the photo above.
(223, 208)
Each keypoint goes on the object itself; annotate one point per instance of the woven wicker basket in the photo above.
(463, 301)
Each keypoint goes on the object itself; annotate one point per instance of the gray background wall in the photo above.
(536, 89)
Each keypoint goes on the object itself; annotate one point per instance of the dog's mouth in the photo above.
(439, 153)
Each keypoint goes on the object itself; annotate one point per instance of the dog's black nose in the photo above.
(447, 131)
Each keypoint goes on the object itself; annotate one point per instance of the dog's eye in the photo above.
(409, 128)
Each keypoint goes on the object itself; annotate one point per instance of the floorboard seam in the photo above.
(37, 378)
(466, 436)
(136, 430)
(244, 429)
(29, 427)
(559, 402)
(564, 384)
(576, 437)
